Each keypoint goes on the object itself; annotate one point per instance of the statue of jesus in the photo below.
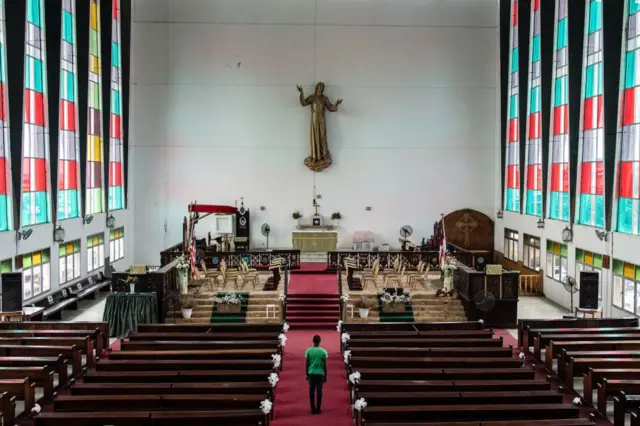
(320, 157)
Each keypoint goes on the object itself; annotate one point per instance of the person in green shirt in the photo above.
(316, 373)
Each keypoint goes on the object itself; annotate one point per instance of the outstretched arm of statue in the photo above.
(303, 101)
(331, 107)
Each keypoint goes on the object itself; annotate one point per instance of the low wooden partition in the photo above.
(470, 282)
(365, 259)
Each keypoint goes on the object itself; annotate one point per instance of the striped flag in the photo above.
(443, 244)
(192, 251)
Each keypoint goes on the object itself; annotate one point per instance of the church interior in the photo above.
(286, 212)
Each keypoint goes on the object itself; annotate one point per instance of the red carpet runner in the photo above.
(292, 394)
(313, 302)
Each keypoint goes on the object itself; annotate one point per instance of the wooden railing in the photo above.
(529, 285)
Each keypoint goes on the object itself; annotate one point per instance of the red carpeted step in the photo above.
(313, 312)
(314, 325)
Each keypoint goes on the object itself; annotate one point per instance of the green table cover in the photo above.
(124, 311)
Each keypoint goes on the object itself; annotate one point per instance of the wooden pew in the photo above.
(57, 363)
(623, 404)
(581, 366)
(70, 353)
(7, 409)
(541, 340)
(571, 323)
(155, 418)
(449, 385)
(23, 388)
(41, 376)
(182, 364)
(95, 336)
(530, 334)
(635, 420)
(609, 388)
(433, 362)
(555, 347)
(425, 343)
(554, 422)
(401, 352)
(172, 345)
(416, 326)
(594, 376)
(219, 354)
(456, 399)
(256, 388)
(210, 328)
(172, 376)
(563, 358)
(446, 374)
(480, 413)
(211, 336)
(64, 325)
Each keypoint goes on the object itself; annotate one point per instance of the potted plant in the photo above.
(363, 307)
(336, 218)
(132, 281)
(394, 302)
(296, 215)
(228, 302)
(183, 271)
(187, 303)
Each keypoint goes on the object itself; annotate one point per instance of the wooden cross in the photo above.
(466, 225)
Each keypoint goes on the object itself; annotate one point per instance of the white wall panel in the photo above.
(149, 42)
(150, 104)
(151, 10)
(244, 11)
(457, 13)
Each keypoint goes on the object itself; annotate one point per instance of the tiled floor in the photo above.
(537, 307)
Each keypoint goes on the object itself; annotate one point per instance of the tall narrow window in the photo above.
(6, 212)
(533, 156)
(116, 157)
(94, 196)
(512, 174)
(36, 195)
(559, 140)
(628, 177)
(591, 172)
(68, 140)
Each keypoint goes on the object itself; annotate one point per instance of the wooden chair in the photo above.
(412, 280)
(371, 278)
(417, 273)
(396, 278)
(202, 279)
(248, 275)
(395, 268)
(228, 276)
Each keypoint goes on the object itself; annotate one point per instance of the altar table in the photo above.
(314, 242)
(124, 311)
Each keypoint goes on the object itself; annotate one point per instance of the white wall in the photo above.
(215, 113)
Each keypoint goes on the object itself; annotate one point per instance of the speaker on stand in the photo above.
(589, 283)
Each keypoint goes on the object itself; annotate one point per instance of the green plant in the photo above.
(296, 215)
(364, 304)
(187, 301)
(336, 216)
(130, 280)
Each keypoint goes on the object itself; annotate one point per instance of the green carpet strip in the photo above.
(231, 317)
(406, 316)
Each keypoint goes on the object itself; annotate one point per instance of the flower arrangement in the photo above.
(130, 280)
(448, 263)
(360, 404)
(345, 337)
(296, 215)
(183, 265)
(265, 406)
(393, 299)
(285, 327)
(355, 377)
(336, 216)
(339, 326)
(282, 298)
(273, 379)
(344, 298)
(277, 360)
(228, 299)
(347, 356)
(283, 339)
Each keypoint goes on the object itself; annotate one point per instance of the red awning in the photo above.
(207, 208)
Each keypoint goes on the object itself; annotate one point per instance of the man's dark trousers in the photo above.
(315, 384)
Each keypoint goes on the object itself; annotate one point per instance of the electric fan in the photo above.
(571, 285)
(266, 230)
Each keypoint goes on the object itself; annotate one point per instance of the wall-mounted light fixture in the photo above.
(24, 234)
(540, 223)
(262, 208)
(602, 235)
(58, 234)
(567, 235)
(87, 219)
(500, 214)
(111, 222)
(368, 208)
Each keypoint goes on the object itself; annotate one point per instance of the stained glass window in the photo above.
(69, 261)
(94, 196)
(559, 140)
(591, 172)
(626, 286)
(628, 191)
(533, 156)
(95, 252)
(36, 193)
(116, 244)
(557, 263)
(68, 140)
(512, 175)
(116, 161)
(6, 213)
(36, 273)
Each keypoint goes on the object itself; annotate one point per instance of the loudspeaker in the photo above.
(589, 282)
(12, 292)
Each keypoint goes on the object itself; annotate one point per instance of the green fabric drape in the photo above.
(124, 311)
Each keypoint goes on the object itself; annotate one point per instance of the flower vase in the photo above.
(448, 280)
(132, 288)
(336, 222)
(183, 282)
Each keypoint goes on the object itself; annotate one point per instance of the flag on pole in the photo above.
(443, 244)
(192, 251)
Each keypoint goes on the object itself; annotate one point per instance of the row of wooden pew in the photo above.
(604, 353)
(166, 374)
(38, 359)
(453, 374)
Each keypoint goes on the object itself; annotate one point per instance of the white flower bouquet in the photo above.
(265, 406)
(183, 265)
(273, 379)
(229, 299)
(344, 298)
(354, 377)
(392, 299)
(360, 404)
